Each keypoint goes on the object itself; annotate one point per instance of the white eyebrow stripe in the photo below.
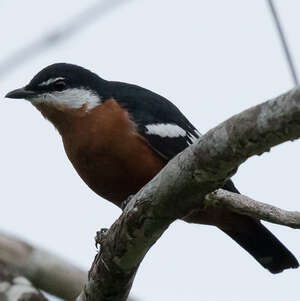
(50, 81)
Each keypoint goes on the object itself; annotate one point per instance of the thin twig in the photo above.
(284, 42)
(60, 34)
(242, 204)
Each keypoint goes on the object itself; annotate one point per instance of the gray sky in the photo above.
(213, 59)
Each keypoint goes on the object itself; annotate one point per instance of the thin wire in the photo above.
(58, 35)
(284, 43)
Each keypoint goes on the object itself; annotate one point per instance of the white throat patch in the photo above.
(73, 98)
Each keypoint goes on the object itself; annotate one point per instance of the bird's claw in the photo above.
(99, 237)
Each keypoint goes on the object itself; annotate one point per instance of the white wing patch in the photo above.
(50, 81)
(165, 130)
(72, 98)
(171, 130)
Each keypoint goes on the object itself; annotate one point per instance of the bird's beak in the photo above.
(20, 93)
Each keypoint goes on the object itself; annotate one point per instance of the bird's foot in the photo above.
(99, 237)
(125, 202)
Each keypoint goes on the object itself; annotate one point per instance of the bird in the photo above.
(118, 136)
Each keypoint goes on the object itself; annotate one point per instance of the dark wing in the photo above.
(158, 120)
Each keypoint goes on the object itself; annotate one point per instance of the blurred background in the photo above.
(213, 59)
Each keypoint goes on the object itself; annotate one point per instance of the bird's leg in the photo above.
(125, 202)
(99, 237)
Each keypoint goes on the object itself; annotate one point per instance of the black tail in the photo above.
(249, 233)
(257, 240)
(263, 246)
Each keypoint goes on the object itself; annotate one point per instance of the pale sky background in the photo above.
(213, 59)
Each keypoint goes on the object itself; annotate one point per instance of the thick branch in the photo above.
(244, 205)
(45, 270)
(13, 286)
(177, 189)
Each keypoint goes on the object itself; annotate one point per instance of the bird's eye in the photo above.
(59, 85)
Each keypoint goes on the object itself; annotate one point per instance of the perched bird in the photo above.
(118, 136)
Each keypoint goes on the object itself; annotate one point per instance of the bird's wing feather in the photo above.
(158, 120)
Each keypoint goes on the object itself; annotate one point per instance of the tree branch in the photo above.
(181, 187)
(45, 270)
(15, 287)
(244, 205)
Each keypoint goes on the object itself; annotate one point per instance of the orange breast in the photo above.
(108, 153)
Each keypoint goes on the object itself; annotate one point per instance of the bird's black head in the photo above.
(63, 76)
(64, 85)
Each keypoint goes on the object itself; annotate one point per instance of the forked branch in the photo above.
(182, 186)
